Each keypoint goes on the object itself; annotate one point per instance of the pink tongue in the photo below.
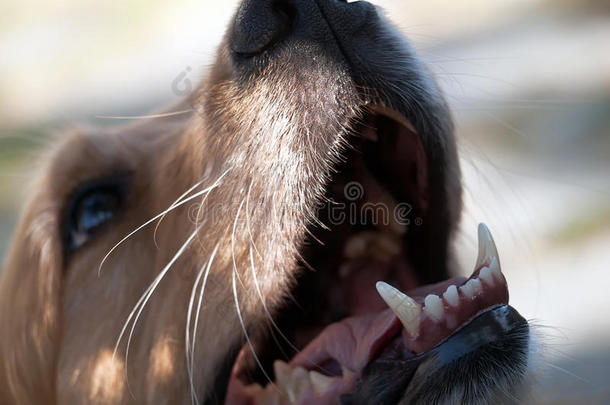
(352, 342)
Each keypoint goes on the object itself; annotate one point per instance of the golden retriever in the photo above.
(286, 241)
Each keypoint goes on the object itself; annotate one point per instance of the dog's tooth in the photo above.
(298, 385)
(320, 382)
(487, 276)
(355, 247)
(406, 309)
(254, 390)
(466, 289)
(451, 296)
(472, 288)
(346, 373)
(269, 396)
(495, 269)
(389, 243)
(487, 248)
(283, 373)
(433, 307)
(477, 287)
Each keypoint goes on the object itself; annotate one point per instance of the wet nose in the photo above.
(259, 24)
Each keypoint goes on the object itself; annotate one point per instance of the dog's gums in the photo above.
(288, 240)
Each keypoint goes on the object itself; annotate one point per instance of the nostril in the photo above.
(285, 12)
(260, 24)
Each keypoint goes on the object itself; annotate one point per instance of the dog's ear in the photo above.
(29, 306)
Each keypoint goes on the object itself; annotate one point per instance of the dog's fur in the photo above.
(61, 314)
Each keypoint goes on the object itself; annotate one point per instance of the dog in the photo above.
(285, 237)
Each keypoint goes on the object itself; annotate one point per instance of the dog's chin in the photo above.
(367, 324)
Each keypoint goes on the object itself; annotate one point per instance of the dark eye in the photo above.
(91, 209)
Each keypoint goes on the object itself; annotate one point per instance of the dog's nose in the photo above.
(259, 24)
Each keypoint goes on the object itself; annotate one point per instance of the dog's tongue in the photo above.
(333, 361)
(350, 343)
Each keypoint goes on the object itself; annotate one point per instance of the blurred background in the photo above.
(529, 83)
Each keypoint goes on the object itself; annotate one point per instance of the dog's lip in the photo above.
(383, 109)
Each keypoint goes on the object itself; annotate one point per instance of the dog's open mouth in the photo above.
(367, 324)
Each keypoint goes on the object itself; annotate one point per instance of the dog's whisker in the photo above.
(255, 277)
(144, 117)
(249, 228)
(197, 313)
(263, 302)
(187, 333)
(145, 224)
(568, 372)
(183, 195)
(141, 304)
(236, 298)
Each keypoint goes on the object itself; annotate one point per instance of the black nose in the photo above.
(259, 24)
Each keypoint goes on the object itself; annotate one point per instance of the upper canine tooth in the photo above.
(487, 247)
(405, 307)
(433, 307)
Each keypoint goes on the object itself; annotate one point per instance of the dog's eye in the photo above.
(90, 211)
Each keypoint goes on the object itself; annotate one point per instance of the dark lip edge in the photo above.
(463, 326)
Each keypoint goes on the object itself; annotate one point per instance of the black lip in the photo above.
(490, 351)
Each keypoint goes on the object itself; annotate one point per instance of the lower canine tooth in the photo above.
(320, 382)
(406, 309)
(299, 384)
(346, 373)
(433, 307)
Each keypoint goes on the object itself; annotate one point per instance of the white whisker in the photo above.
(187, 333)
(236, 299)
(187, 192)
(142, 117)
(194, 340)
(262, 299)
(146, 296)
(198, 194)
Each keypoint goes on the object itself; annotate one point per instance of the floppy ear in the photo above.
(29, 307)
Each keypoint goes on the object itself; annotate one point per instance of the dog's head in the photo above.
(317, 159)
